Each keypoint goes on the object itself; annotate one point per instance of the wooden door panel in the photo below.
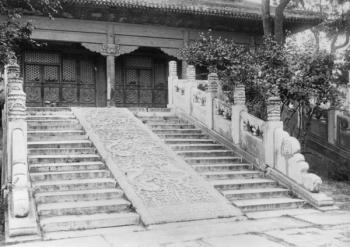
(87, 96)
(33, 93)
(146, 96)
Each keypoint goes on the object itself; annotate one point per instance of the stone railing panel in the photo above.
(200, 100)
(252, 134)
(222, 118)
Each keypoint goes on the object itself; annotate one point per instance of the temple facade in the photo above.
(99, 53)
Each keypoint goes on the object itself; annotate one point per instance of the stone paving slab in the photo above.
(313, 237)
(268, 232)
(95, 241)
(160, 185)
(247, 240)
(326, 218)
(191, 231)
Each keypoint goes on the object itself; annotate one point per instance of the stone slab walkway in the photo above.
(330, 228)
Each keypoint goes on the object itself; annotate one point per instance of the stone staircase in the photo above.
(72, 187)
(246, 188)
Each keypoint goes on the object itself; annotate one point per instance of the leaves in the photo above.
(14, 33)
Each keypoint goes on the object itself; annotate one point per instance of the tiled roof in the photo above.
(223, 8)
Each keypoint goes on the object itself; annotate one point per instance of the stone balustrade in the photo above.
(21, 212)
(270, 145)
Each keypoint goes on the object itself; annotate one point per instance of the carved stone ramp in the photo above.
(160, 185)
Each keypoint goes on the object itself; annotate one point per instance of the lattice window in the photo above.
(160, 74)
(69, 71)
(32, 72)
(86, 71)
(131, 77)
(51, 74)
(144, 62)
(42, 57)
(146, 78)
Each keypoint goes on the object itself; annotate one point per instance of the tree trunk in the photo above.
(266, 18)
(279, 21)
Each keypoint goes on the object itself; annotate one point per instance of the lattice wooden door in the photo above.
(55, 78)
(140, 81)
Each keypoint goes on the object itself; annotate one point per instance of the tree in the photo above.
(278, 22)
(301, 77)
(14, 31)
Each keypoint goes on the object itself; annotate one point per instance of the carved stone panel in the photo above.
(162, 187)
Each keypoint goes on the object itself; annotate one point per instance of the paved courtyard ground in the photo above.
(309, 228)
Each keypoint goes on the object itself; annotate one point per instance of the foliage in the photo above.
(14, 31)
(301, 76)
(223, 56)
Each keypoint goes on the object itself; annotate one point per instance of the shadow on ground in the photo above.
(339, 191)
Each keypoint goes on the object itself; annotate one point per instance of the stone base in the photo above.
(161, 186)
(21, 229)
(318, 200)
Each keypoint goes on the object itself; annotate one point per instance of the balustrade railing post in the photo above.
(273, 122)
(213, 82)
(237, 108)
(171, 83)
(189, 84)
(22, 219)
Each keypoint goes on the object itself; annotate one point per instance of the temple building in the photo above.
(116, 52)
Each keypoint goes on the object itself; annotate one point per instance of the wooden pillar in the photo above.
(110, 64)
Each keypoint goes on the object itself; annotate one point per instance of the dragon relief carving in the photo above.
(155, 177)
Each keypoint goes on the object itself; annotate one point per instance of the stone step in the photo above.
(183, 136)
(171, 126)
(56, 135)
(189, 141)
(252, 205)
(82, 222)
(222, 167)
(267, 193)
(83, 207)
(162, 121)
(159, 118)
(60, 167)
(49, 113)
(68, 175)
(177, 131)
(214, 160)
(69, 158)
(192, 147)
(206, 153)
(51, 122)
(60, 144)
(78, 184)
(51, 127)
(236, 184)
(80, 195)
(48, 109)
(51, 117)
(66, 133)
(48, 151)
(231, 174)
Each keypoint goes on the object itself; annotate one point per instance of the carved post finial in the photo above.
(213, 82)
(191, 73)
(172, 69)
(13, 70)
(274, 109)
(239, 95)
